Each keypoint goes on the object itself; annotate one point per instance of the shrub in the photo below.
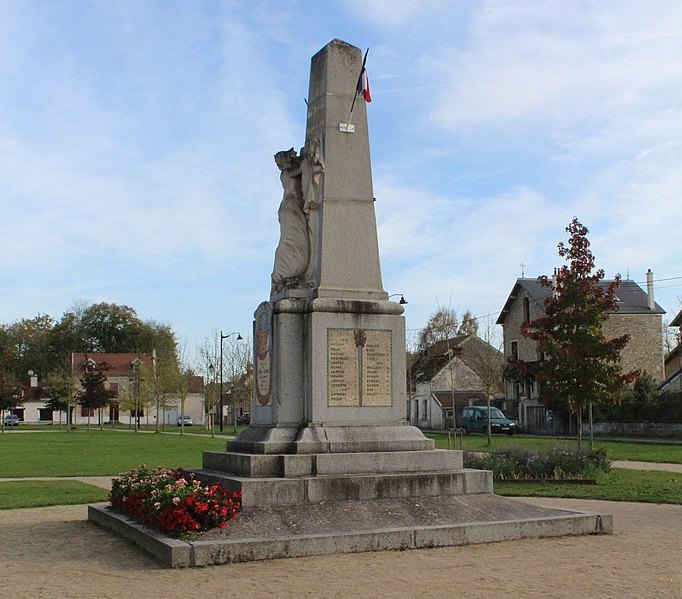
(557, 463)
(173, 501)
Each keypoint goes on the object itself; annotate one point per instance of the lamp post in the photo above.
(211, 370)
(402, 300)
(239, 338)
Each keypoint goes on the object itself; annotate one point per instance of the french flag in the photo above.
(363, 86)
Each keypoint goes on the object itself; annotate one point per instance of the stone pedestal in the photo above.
(329, 448)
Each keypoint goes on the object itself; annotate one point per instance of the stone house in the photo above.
(458, 369)
(637, 315)
(673, 362)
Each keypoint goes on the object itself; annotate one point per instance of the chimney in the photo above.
(650, 290)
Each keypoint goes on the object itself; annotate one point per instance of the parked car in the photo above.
(475, 420)
(186, 420)
(245, 418)
(11, 420)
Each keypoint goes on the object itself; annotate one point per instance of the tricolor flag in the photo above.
(363, 85)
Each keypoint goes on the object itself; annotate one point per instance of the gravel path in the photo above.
(55, 552)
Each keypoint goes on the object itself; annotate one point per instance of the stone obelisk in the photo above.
(329, 348)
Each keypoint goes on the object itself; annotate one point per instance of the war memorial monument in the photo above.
(329, 463)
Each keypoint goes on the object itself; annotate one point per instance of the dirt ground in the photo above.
(55, 552)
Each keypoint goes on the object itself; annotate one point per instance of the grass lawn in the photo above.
(616, 450)
(16, 494)
(646, 486)
(98, 452)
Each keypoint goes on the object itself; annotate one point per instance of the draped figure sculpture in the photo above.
(312, 169)
(292, 254)
(296, 255)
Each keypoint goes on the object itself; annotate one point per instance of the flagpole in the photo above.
(355, 95)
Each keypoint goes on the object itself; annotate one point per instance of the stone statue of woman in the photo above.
(292, 254)
(312, 169)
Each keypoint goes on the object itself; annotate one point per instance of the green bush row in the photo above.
(556, 463)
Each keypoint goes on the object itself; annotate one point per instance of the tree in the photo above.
(469, 324)
(487, 360)
(578, 365)
(60, 387)
(94, 394)
(445, 324)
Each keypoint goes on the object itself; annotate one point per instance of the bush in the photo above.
(172, 501)
(557, 463)
(638, 407)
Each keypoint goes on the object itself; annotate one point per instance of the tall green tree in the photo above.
(94, 395)
(578, 365)
(60, 388)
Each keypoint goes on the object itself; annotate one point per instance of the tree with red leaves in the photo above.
(579, 365)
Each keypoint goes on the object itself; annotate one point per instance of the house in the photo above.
(125, 374)
(638, 315)
(457, 370)
(673, 362)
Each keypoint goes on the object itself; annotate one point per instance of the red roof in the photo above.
(119, 364)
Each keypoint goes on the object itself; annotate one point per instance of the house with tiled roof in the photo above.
(452, 371)
(125, 376)
(673, 361)
(637, 315)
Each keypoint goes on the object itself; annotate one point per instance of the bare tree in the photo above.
(208, 360)
(487, 361)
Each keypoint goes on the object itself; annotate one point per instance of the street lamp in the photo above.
(239, 338)
(402, 300)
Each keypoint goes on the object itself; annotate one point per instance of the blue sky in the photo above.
(136, 144)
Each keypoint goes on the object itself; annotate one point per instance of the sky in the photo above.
(137, 142)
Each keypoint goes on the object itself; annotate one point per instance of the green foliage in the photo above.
(615, 450)
(666, 407)
(556, 463)
(44, 345)
(94, 394)
(617, 485)
(644, 389)
(23, 494)
(99, 453)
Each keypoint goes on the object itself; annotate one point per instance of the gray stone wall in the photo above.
(644, 351)
(512, 325)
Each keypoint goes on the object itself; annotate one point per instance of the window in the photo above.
(425, 403)
(140, 413)
(515, 350)
(84, 411)
(526, 310)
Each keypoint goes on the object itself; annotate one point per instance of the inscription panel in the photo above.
(359, 368)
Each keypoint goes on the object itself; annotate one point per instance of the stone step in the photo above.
(322, 529)
(264, 492)
(293, 465)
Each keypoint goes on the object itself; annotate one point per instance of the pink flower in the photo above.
(176, 500)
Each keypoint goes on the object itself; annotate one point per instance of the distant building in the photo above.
(638, 315)
(454, 369)
(125, 374)
(673, 362)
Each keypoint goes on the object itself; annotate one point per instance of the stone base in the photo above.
(354, 527)
(329, 439)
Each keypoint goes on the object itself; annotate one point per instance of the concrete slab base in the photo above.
(356, 526)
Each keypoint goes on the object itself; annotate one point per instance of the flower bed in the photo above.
(557, 463)
(173, 501)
